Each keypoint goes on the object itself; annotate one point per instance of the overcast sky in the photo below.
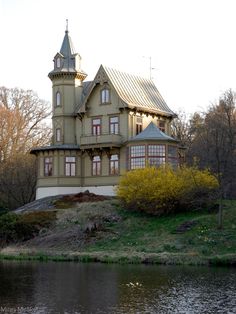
(192, 44)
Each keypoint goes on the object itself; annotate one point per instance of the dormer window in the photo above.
(162, 126)
(58, 62)
(139, 125)
(58, 99)
(105, 95)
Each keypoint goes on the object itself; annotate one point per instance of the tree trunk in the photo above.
(220, 213)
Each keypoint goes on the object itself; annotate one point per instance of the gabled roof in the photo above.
(135, 92)
(152, 132)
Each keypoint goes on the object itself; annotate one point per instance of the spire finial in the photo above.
(66, 25)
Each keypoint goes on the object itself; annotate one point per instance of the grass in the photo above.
(130, 237)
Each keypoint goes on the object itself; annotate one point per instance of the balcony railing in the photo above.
(104, 140)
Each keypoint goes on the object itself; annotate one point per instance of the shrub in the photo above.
(7, 227)
(24, 227)
(164, 190)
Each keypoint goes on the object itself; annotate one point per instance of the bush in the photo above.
(23, 227)
(164, 190)
(7, 227)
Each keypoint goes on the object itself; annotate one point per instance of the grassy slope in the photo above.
(133, 237)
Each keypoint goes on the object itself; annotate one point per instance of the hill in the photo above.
(99, 229)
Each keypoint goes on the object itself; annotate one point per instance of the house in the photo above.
(101, 128)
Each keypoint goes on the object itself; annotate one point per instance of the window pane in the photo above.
(72, 169)
(96, 121)
(96, 158)
(156, 161)
(58, 62)
(114, 125)
(105, 95)
(162, 126)
(48, 166)
(114, 164)
(70, 166)
(137, 151)
(67, 169)
(58, 99)
(70, 159)
(114, 157)
(137, 163)
(58, 135)
(114, 119)
(96, 166)
(156, 150)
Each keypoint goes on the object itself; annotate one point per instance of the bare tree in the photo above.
(22, 126)
(214, 144)
(181, 129)
(18, 181)
(22, 121)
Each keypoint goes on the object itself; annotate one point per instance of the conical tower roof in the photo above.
(67, 47)
(70, 61)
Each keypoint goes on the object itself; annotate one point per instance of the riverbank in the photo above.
(102, 231)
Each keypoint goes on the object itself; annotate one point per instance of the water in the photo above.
(34, 287)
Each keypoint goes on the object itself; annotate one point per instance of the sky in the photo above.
(192, 44)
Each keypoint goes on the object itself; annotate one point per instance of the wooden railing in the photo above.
(100, 139)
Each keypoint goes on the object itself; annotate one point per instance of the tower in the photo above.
(67, 77)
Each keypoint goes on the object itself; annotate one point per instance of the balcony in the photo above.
(100, 141)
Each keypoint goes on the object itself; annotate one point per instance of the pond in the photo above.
(38, 287)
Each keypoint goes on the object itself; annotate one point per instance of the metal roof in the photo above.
(67, 47)
(70, 59)
(152, 132)
(137, 92)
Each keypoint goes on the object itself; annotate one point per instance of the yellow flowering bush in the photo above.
(164, 190)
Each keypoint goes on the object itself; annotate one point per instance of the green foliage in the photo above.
(7, 227)
(15, 227)
(165, 190)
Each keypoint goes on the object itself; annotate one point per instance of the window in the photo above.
(70, 166)
(137, 156)
(96, 126)
(58, 62)
(96, 166)
(173, 156)
(153, 155)
(58, 99)
(114, 164)
(162, 126)
(58, 135)
(156, 155)
(114, 125)
(105, 96)
(139, 125)
(48, 166)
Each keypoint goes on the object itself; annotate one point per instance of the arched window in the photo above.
(105, 96)
(58, 135)
(58, 99)
(58, 62)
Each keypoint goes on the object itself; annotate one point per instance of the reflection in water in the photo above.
(33, 287)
